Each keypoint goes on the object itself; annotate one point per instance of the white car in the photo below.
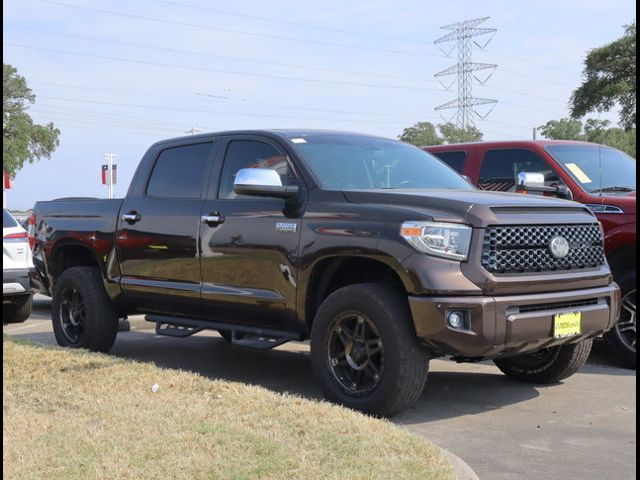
(17, 295)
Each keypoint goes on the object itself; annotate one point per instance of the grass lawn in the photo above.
(72, 414)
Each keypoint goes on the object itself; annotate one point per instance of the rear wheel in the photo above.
(364, 350)
(549, 365)
(82, 314)
(19, 311)
(622, 337)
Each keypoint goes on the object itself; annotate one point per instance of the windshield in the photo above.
(354, 162)
(7, 220)
(597, 168)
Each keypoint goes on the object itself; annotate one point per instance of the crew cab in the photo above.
(600, 177)
(375, 251)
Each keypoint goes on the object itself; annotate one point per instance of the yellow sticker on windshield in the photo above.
(579, 173)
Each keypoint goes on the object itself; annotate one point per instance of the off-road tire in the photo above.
(555, 364)
(19, 311)
(619, 345)
(100, 319)
(406, 361)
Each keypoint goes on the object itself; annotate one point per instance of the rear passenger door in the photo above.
(158, 231)
(500, 169)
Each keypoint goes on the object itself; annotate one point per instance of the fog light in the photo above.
(456, 320)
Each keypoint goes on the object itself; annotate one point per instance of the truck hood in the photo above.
(476, 207)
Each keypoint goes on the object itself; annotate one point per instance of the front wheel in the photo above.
(549, 365)
(622, 337)
(364, 351)
(81, 311)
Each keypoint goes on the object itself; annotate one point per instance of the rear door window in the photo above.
(500, 169)
(180, 172)
(454, 159)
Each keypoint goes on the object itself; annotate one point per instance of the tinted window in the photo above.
(358, 162)
(179, 172)
(7, 220)
(501, 168)
(596, 167)
(454, 159)
(249, 154)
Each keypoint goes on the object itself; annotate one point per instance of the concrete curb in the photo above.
(461, 469)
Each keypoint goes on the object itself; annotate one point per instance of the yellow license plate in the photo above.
(567, 324)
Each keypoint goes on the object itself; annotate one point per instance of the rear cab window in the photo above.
(455, 160)
(179, 172)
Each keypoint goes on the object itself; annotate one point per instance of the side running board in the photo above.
(245, 336)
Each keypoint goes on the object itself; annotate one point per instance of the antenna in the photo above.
(464, 33)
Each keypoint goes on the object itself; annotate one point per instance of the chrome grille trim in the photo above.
(525, 248)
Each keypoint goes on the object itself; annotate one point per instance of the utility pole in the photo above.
(193, 131)
(109, 157)
(465, 105)
(535, 133)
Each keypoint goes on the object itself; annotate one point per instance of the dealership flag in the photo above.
(7, 181)
(105, 174)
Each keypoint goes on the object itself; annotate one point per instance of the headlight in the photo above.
(448, 240)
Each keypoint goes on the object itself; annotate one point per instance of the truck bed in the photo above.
(85, 221)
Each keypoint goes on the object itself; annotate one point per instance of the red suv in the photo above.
(600, 177)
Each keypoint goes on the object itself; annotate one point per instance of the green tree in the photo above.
(421, 134)
(593, 130)
(563, 129)
(453, 134)
(425, 133)
(609, 79)
(22, 140)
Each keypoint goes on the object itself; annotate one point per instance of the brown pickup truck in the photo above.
(375, 250)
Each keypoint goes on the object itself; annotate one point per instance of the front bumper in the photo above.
(15, 281)
(510, 325)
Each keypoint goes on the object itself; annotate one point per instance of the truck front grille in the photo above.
(526, 249)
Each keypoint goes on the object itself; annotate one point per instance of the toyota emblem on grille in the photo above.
(559, 247)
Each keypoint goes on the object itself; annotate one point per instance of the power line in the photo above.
(277, 64)
(216, 112)
(293, 24)
(138, 93)
(277, 106)
(234, 31)
(213, 55)
(531, 77)
(227, 72)
(535, 62)
(523, 94)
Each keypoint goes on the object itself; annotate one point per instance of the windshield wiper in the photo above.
(613, 189)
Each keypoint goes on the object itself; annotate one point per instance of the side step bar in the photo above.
(245, 336)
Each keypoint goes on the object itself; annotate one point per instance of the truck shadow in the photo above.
(452, 390)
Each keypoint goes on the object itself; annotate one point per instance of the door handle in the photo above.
(213, 219)
(131, 217)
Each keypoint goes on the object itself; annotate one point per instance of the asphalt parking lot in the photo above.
(584, 428)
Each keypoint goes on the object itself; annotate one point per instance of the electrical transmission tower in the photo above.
(464, 33)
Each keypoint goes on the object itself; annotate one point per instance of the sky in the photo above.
(116, 76)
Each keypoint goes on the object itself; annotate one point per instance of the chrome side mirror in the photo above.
(530, 179)
(533, 182)
(263, 182)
